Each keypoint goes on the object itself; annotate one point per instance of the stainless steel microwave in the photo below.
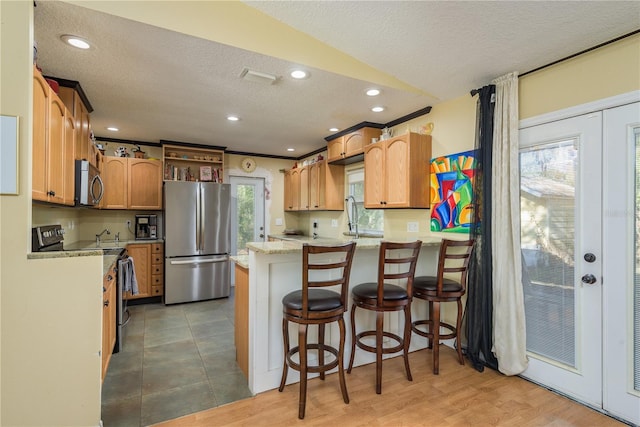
(89, 185)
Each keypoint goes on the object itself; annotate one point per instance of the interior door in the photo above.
(621, 265)
(560, 187)
(247, 212)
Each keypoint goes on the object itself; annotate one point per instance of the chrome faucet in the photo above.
(106, 230)
(353, 217)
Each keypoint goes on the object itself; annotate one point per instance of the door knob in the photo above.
(261, 236)
(589, 257)
(589, 279)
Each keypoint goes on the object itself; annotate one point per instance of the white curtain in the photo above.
(509, 334)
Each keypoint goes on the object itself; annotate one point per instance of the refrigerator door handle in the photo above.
(198, 220)
(202, 217)
(202, 261)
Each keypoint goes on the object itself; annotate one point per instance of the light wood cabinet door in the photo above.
(396, 173)
(334, 149)
(304, 189)
(109, 305)
(41, 93)
(353, 143)
(374, 191)
(144, 184)
(295, 189)
(141, 254)
(241, 321)
(288, 192)
(55, 151)
(115, 176)
(68, 161)
(316, 186)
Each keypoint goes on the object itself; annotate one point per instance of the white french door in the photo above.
(579, 216)
(621, 265)
(247, 212)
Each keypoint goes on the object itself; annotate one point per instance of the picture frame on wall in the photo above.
(206, 173)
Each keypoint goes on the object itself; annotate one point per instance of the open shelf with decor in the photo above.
(183, 163)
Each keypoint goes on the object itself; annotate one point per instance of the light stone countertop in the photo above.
(108, 249)
(295, 245)
(241, 260)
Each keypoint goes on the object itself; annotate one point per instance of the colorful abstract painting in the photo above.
(452, 192)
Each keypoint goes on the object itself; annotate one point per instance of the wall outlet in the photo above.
(412, 227)
(278, 221)
(315, 223)
(334, 222)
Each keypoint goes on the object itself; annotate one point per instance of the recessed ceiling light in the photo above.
(299, 74)
(75, 41)
(291, 149)
(333, 129)
(373, 92)
(113, 129)
(233, 118)
(377, 109)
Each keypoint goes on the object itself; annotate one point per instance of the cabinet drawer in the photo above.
(157, 248)
(157, 269)
(156, 290)
(157, 279)
(157, 259)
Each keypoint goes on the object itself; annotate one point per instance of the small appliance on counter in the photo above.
(47, 238)
(146, 227)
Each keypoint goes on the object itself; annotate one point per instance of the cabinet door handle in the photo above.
(51, 193)
(106, 303)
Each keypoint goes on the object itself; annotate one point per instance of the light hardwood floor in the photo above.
(459, 396)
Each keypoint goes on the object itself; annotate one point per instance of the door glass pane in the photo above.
(246, 217)
(547, 203)
(636, 276)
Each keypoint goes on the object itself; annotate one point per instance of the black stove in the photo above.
(47, 238)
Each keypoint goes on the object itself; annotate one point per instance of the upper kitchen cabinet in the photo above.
(76, 101)
(326, 186)
(114, 173)
(53, 141)
(183, 163)
(396, 172)
(131, 183)
(348, 148)
(144, 189)
(318, 186)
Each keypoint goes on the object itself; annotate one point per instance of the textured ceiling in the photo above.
(156, 84)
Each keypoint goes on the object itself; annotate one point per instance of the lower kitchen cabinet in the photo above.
(141, 254)
(242, 318)
(109, 304)
(157, 269)
(148, 263)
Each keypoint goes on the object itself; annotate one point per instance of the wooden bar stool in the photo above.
(453, 258)
(380, 296)
(315, 306)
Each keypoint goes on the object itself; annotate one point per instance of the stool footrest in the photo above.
(313, 368)
(385, 350)
(414, 328)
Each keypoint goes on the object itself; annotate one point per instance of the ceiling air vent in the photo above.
(258, 77)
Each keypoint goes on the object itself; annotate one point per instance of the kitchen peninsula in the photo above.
(275, 269)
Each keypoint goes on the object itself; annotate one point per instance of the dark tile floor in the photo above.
(177, 360)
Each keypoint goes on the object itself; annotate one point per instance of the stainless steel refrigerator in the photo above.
(197, 226)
